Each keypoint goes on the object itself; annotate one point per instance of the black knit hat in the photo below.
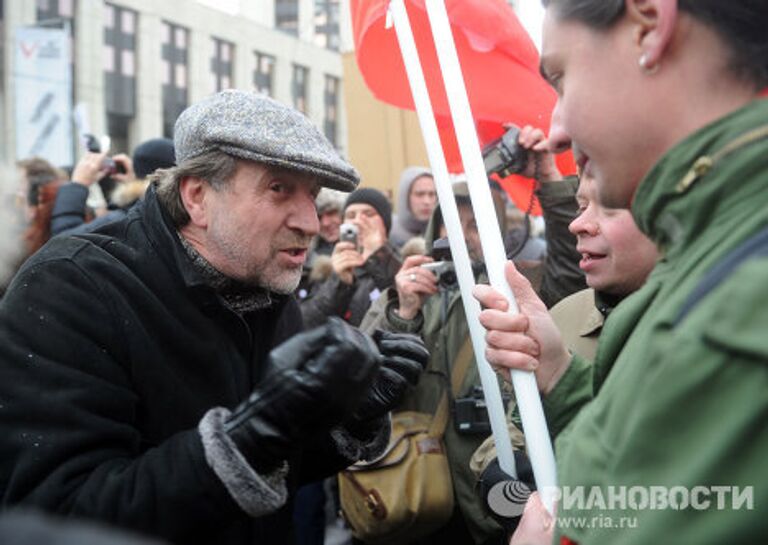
(376, 199)
(153, 154)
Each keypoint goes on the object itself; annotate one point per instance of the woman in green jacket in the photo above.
(665, 434)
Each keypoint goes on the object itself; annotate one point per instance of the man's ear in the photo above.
(193, 191)
(655, 22)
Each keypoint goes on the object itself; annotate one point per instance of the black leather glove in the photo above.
(506, 505)
(403, 358)
(313, 382)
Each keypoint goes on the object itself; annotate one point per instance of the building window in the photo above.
(119, 71)
(263, 73)
(175, 41)
(55, 9)
(327, 32)
(299, 87)
(222, 64)
(63, 13)
(331, 117)
(287, 16)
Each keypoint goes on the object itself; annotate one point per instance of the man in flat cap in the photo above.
(153, 374)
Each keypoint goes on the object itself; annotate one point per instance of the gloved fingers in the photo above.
(402, 344)
(387, 391)
(294, 352)
(407, 368)
(348, 356)
(341, 333)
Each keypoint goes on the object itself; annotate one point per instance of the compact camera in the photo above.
(505, 156)
(442, 265)
(348, 233)
(93, 145)
(470, 414)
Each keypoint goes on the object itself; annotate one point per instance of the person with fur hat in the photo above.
(361, 271)
(416, 198)
(154, 374)
(70, 210)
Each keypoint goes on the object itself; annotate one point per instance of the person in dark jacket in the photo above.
(70, 210)
(362, 271)
(152, 373)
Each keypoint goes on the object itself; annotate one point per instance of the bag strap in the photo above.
(463, 359)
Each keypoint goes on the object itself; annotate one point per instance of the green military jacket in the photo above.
(679, 403)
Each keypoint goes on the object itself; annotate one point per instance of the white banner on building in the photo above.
(43, 89)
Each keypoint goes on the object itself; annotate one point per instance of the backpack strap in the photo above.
(463, 359)
(754, 246)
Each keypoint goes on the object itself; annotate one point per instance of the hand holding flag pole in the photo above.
(526, 392)
(456, 239)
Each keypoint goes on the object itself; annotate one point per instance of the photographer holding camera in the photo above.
(364, 262)
(426, 301)
(95, 166)
(525, 152)
(128, 175)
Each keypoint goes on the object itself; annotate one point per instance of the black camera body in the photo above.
(470, 414)
(505, 156)
(443, 266)
(93, 145)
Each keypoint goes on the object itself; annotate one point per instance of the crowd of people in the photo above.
(197, 361)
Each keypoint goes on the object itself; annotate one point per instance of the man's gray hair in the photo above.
(215, 167)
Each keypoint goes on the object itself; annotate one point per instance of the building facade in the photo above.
(136, 64)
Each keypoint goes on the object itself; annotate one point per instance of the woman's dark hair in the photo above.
(39, 230)
(740, 23)
(38, 173)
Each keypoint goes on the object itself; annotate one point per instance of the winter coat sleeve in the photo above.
(330, 298)
(69, 441)
(68, 208)
(701, 424)
(350, 301)
(562, 275)
(382, 266)
(570, 394)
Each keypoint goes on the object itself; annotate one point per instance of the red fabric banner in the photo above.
(499, 62)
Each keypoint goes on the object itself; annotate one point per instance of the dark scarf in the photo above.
(239, 297)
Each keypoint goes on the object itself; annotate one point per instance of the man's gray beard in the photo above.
(282, 287)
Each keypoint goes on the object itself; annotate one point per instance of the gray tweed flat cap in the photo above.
(255, 127)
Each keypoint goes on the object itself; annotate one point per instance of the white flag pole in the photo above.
(456, 238)
(534, 424)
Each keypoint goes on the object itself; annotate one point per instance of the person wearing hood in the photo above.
(416, 199)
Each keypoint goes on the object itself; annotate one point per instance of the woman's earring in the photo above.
(645, 68)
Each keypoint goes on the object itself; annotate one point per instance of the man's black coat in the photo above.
(111, 350)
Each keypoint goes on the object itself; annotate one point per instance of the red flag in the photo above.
(498, 59)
